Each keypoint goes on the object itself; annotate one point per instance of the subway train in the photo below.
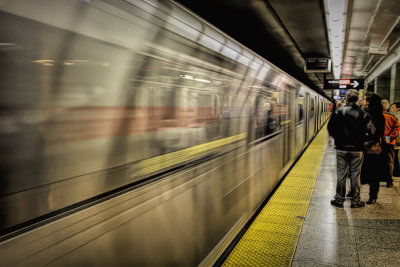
(133, 132)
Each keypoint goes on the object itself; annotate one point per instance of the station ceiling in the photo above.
(286, 32)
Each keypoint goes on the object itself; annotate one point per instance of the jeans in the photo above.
(350, 161)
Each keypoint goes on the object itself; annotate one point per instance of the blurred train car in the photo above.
(134, 132)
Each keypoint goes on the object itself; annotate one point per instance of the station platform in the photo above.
(299, 227)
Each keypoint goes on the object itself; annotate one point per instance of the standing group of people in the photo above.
(353, 126)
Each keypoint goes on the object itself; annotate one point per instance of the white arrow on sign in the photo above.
(355, 84)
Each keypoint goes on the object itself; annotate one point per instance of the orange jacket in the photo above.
(392, 127)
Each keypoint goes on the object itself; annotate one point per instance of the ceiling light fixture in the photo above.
(335, 12)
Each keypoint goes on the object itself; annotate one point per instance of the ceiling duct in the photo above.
(385, 63)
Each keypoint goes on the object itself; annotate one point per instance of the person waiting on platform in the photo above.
(392, 128)
(386, 105)
(395, 110)
(350, 127)
(374, 164)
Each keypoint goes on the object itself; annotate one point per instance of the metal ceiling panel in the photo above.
(305, 22)
(286, 32)
(371, 29)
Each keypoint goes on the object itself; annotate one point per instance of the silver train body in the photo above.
(135, 133)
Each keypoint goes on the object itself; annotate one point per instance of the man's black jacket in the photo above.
(350, 127)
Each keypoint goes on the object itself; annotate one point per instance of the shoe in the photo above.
(349, 194)
(371, 201)
(337, 204)
(357, 205)
(389, 184)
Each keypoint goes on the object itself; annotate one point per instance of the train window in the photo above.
(283, 109)
(300, 109)
(266, 113)
(312, 108)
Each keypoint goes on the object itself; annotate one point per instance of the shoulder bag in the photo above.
(372, 147)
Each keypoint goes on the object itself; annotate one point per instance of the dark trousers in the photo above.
(348, 162)
(390, 162)
(373, 189)
(396, 166)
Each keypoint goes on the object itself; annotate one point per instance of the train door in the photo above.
(292, 108)
(307, 117)
(311, 121)
(314, 106)
(321, 111)
(318, 112)
(286, 119)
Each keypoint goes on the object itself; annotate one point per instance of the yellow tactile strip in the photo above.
(272, 238)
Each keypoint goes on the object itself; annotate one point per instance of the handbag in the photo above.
(372, 147)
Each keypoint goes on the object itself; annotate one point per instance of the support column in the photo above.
(382, 87)
(371, 87)
(395, 83)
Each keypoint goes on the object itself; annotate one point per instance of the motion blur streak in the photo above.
(134, 132)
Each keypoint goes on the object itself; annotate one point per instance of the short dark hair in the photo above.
(352, 96)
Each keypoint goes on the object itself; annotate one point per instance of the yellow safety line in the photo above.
(154, 164)
(272, 238)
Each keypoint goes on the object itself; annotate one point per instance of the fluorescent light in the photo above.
(188, 77)
(337, 27)
(335, 12)
(202, 80)
(336, 9)
(45, 62)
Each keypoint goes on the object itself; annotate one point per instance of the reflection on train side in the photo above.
(123, 119)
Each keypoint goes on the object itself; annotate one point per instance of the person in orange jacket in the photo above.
(392, 128)
(395, 110)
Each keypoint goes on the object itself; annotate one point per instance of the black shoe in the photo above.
(389, 184)
(371, 201)
(337, 204)
(357, 205)
(349, 194)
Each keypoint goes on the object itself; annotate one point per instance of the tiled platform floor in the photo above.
(331, 236)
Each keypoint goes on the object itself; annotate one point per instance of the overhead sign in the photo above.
(317, 65)
(344, 84)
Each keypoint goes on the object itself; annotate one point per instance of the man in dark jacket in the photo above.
(350, 127)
